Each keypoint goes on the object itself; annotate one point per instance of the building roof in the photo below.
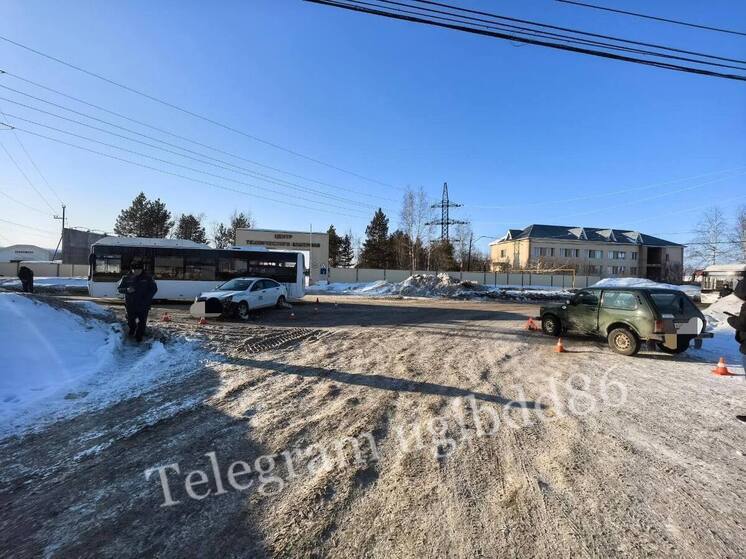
(148, 242)
(591, 234)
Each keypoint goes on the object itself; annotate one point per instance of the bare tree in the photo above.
(415, 213)
(710, 243)
(738, 235)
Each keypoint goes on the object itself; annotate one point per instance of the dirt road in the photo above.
(356, 422)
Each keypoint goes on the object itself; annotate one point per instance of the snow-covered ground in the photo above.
(723, 344)
(441, 285)
(51, 284)
(57, 362)
(692, 290)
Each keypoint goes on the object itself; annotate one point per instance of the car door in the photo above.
(256, 295)
(583, 313)
(274, 290)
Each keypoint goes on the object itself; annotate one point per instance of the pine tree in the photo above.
(335, 244)
(346, 252)
(190, 227)
(376, 251)
(225, 235)
(144, 218)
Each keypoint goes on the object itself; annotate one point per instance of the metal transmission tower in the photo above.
(445, 220)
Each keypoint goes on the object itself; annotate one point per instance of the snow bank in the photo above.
(441, 285)
(723, 344)
(692, 290)
(57, 363)
(75, 284)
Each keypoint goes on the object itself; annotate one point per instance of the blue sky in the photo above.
(522, 134)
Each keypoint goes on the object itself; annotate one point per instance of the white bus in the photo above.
(184, 269)
(716, 276)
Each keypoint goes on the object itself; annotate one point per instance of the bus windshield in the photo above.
(236, 285)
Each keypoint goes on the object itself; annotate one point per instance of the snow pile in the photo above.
(692, 290)
(56, 285)
(59, 362)
(723, 344)
(441, 285)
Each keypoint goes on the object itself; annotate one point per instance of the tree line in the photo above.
(413, 245)
(717, 239)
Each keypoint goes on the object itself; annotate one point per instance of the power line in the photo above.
(166, 161)
(227, 166)
(645, 16)
(576, 31)
(25, 176)
(592, 52)
(491, 24)
(29, 227)
(163, 131)
(179, 175)
(34, 165)
(24, 204)
(194, 114)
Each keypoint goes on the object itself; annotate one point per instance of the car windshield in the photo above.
(236, 285)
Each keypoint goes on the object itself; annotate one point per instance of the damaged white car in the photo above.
(238, 297)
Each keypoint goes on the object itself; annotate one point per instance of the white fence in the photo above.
(45, 269)
(524, 279)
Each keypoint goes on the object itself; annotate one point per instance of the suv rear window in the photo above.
(619, 300)
(676, 304)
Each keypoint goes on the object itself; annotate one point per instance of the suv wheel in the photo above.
(243, 310)
(551, 325)
(280, 302)
(624, 341)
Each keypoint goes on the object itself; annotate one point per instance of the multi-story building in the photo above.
(589, 251)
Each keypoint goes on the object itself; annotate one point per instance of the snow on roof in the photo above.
(726, 268)
(148, 242)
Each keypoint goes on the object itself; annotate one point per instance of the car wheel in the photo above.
(682, 344)
(280, 302)
(243, 310)
(551, 325)
(624, 341)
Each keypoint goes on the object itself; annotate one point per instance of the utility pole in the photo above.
(445, 220)
(63, 231)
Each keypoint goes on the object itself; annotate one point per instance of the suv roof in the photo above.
(634, 288)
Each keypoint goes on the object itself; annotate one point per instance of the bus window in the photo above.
(168, 267)
(199, 268)
(232, 267)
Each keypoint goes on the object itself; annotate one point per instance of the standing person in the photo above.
(138, 288)
(739, 323)
(725, 290)
(26, 275)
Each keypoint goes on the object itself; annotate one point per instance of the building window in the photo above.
(502, 253)
(634, 255)
(617, 255)
(617, 270)
(595, 254)
(594, 270)
(570, 252)
(633, 270)
(543, 251)
(667, 255)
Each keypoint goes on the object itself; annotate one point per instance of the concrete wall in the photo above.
(367, 275)
(45, 269)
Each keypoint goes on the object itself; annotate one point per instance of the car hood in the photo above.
(218, 294)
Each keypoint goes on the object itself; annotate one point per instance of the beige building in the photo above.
(314, 245)
(589, 251)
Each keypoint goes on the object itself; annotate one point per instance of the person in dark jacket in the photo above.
(26, 275)
(739, 324)
(138, 288)
(725, 290)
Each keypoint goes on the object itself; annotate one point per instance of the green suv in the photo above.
(628, 316)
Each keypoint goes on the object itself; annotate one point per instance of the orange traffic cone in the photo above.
(722, 370)
(559, 348)
(166, 317)
(531, 325)
(202, 321)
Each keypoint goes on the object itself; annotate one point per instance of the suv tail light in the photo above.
(658, 327)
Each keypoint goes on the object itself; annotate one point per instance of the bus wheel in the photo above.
(243, 310)
(280, 302)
